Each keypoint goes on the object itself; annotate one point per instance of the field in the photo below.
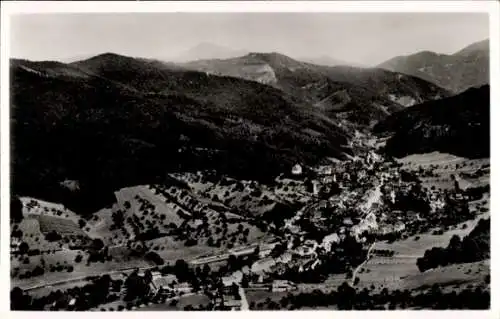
(258, 296)
(160, 202)
(451, 276)
(32, 206)
(32, 235)
(183, 301)
(445, 165)
(62, 226)
(67, 257)
(400, 271)
(382, 272)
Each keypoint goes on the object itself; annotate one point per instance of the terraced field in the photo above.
(62, 226)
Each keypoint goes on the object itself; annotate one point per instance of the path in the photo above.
(84, 278)
(244, 301)
(368, 256)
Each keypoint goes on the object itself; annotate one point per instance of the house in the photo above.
(399, 226)
(263, 265)
(307, 249)
(393, 197)
(183, 287)
(313, 187)
(285, 257)
(282, 285)
(245, 270)
(163, 283)
(347, 221)
(297, 169)
(310, 264)
(325, 170)
(329, 240)
(155, 275)
(235, 278)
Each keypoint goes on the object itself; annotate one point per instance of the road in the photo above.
(84, 278)
(368, 256)
(244, 301)
(199, 261)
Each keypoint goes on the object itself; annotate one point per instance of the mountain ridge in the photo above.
(132, 121)
(468, 67)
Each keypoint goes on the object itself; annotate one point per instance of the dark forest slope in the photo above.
(113, 121)
(459, 125)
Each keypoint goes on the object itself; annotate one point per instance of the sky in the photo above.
(362, 38)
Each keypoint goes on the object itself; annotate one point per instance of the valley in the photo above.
(255, 182)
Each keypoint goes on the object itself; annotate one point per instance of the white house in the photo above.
(315, 187)
(163, 282)
(297, 169)
(283, 285)
(235, 278)
(183, 287)
(329, 240)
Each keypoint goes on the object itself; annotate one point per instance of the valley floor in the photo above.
(216, 224)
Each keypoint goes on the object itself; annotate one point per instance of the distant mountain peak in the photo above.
(466, 68)
(483, 45)
(207, 50)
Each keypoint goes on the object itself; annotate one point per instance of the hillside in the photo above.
(358, 95)
(83, 130)
(459, 125)
(457, 72)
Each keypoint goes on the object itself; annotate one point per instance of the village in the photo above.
(344, 208)
(363, 200)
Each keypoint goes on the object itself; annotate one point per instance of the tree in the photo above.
(16, 210)
(181, 270)
(53, 236)
(154, 257)
(206, 270)
(245, 281)
(127, 205)
(97, 244)
(81, 223)
(78, 258)
(18, 300)
(24, 248)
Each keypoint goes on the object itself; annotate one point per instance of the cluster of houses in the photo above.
(167, 285)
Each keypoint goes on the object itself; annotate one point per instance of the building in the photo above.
(165, 283)
(286, 257)
(263, 265)
(183, 287)
(307, 249)
(235, 278)
(282, 285)
(309, 264)
(155, 275)
(329, 240)
(399, 226)
(314, 186)
(347, 221)
(325, 170)
(297, 169)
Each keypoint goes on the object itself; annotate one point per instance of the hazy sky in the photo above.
(367, 38)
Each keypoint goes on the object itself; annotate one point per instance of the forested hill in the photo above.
(458, 125)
